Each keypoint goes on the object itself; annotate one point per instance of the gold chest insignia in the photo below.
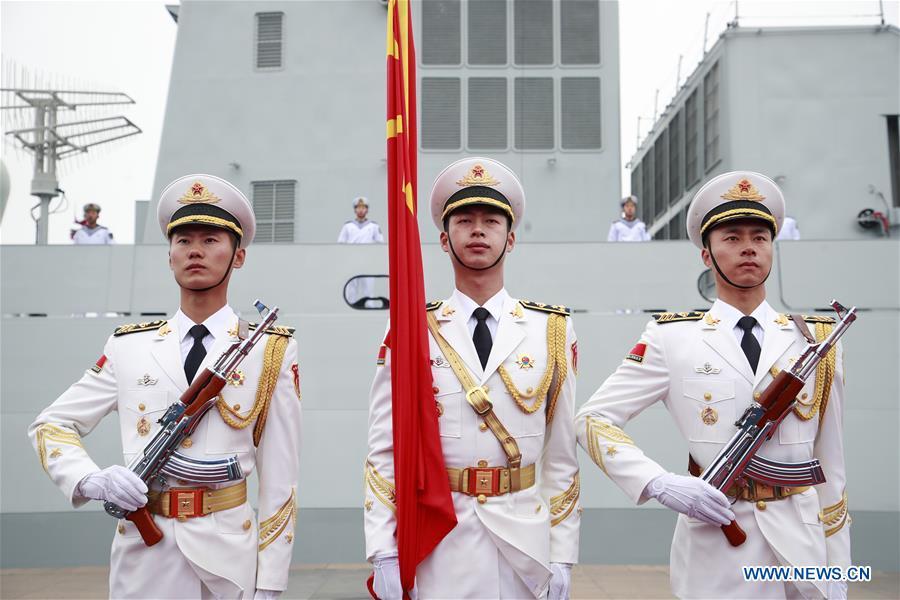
(611, 451)
(447, 310)
(709, 416)
(525, 362)
(782, 320)
(236, 378)
(164, 330)
(56, 453)
(146, 380)
(710, 320)
(517, 311)
(143, 426)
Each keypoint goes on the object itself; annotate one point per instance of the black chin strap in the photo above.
(227, 272)
(728, 281)
(460, 261)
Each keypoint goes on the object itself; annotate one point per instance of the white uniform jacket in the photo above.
(502, 547)
(140, 374)
(697, 369)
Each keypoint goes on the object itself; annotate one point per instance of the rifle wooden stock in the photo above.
(143, 520)
(779, 396)
(734, 534)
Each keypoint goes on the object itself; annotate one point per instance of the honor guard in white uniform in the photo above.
(517, 532)
(212, 545)
(706, 368)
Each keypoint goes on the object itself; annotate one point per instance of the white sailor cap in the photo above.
(361, 200)
(206, 200)
(631, 198)
(735, 195)
(477, 180)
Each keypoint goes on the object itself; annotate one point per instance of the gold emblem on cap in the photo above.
(198, 194)
(477, 175)
(743, 190)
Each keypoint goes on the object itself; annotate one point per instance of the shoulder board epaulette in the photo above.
(672, 317)
(550, 308)
(818, 319)
(136, 327)
(276, 329)
(430, 306)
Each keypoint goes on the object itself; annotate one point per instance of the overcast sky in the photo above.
(128, 46)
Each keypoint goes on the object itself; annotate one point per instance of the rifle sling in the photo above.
(801, 325)
(478, 399)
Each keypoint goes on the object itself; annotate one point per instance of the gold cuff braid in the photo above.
(274, 526)
(834, 517)
(381, 487)
(595, 429)
(562, 505)
(49, 432)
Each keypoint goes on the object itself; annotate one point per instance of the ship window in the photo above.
(675, 187)
(580, 32)
(533, 26)
(534, 113)
(691, 172)
(711, 116)
(441, 32)
(269, 40)
(580, 113)
(487, 32)
(647, 188)
(487, 113)
(441, 113)
(660, 189)
(273, 206)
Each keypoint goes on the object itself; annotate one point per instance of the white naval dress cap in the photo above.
(477, 180)
(206, 200)
(360, 200)
(735, 195)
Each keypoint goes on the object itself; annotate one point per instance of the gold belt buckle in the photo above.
(481, 397)
(484, 481)
(183, 503)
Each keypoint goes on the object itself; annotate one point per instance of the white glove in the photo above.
(691, 496)
(266, 595)
(837, 590)
(560, 576)
(116, 484)
(387, 579)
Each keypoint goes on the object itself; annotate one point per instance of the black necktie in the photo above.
(197, 353)
(482, 335)
(749, 344)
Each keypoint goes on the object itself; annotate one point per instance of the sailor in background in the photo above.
(516, 501)
(361, 230)
(91, 233)
(706, 368)
(212, 545)
(628, 228)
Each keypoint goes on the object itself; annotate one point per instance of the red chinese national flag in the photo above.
(424, 506)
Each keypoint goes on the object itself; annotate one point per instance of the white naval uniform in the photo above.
(356, 232)
(87, 237)
(692, 365)
(221, 554)
(503, 547)
(622, 230)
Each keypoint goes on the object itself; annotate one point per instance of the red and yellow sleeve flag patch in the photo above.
(98, 366)
(637, 353)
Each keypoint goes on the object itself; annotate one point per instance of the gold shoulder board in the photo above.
(136, 327)
(818, 319)
(672, 317)
(276, 329)
(430, 306)
(557, 309)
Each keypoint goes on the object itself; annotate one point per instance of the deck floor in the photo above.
(345, 581)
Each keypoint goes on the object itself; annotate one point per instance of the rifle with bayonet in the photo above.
(738, 458)
(160, 456)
